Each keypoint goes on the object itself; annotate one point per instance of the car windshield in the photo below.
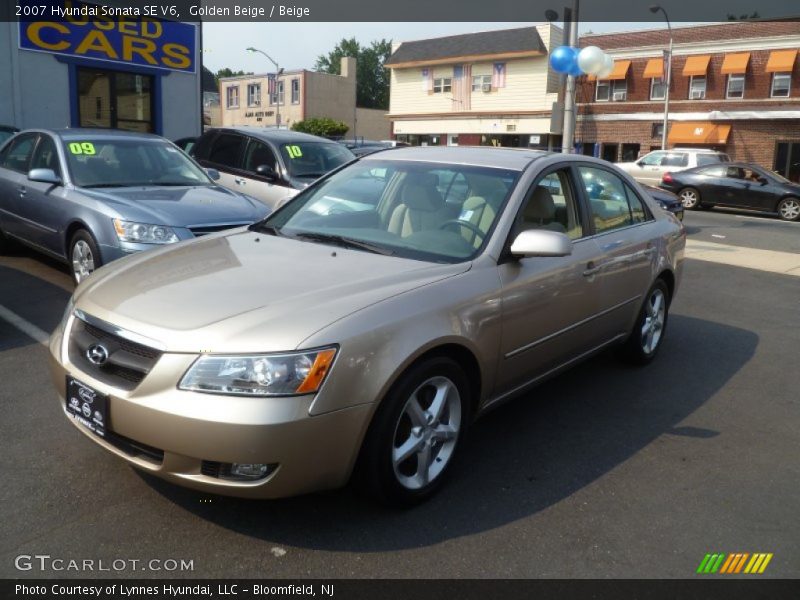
(426, 211)
(314, 159)
(108, 162)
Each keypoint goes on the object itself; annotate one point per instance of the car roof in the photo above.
(81, 133)
(485, 156)
(693, 150)
(273, 134)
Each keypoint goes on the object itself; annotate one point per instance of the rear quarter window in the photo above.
(711, 159)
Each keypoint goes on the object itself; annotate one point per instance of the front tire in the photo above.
(789, 209)
(84, 257)
(690, 198)
(415, 434)
(644, 341)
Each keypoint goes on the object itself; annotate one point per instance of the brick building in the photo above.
(735, 87)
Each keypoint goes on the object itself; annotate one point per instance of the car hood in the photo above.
(246, 292)
(179, 206)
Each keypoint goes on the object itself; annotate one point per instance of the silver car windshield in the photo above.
(314, 159)
(122, 163)
(426, 211)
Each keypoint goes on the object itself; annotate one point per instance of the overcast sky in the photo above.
(297, 45)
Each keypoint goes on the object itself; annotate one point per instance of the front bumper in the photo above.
(184, 431)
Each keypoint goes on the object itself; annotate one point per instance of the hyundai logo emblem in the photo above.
(97, 354)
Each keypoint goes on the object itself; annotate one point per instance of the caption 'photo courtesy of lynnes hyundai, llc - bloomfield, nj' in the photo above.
(358, 298)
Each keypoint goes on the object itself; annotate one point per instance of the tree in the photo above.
(322, 126)
(372, 79)
(226, 72)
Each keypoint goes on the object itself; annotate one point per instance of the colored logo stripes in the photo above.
(740, 562)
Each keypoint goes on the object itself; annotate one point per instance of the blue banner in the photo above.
(99, 33)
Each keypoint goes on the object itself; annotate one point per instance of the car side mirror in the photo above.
(267, 172)
(640, 163)
(541, 242)
(213, 174)
(44, 176)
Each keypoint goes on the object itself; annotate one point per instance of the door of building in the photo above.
(787, 160)
(115, 100)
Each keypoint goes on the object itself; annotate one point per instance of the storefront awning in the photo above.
(698, 133)
(654, 68)
(735, 64)
(696, 65)
(781, 61)
(620, 71)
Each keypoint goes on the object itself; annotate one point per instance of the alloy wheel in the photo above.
(82, 260)
(789, 209)
(654, 319)
(689, 199)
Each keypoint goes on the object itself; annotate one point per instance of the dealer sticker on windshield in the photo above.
(82, 148)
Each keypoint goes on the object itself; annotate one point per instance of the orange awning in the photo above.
(654, 68)
(781, 61)
(620, 71)
(696, 65)
(734, 64)
(698, 133)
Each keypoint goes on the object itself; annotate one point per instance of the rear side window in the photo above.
(613, 203)
(226, 150)
(711, 159)
(675, 159)
(18, 155)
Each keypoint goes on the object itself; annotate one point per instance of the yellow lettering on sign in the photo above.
(152, 29)
(104, 23)
(176, 56)
(142, 47)
(34, 34)
(97, 41)
(77, 20)
(126, 26)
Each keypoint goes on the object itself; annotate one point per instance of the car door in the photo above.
(223, 152)
(271, 192)
(548, 302)
(672, 162)
(623, 237)
(648, 169)
(710, 181)
(760, 190)
(14, 185)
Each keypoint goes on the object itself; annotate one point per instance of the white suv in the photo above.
(650, 167)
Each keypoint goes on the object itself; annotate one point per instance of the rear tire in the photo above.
(415, 434)
(647, 336)
(789, 209)
(690, 198)
(84, 257)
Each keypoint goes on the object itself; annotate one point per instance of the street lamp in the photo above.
(278, 72)
(668, 68)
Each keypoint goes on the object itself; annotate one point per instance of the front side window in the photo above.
(232, 96)
(603, 91)
(613, 203)
(442, 85)
(258, 154)
(46, 155)
(697, 87)
(735, 86)
(781, 85)
(653, 159)
(658, 90)
(552, 205)
(481, 83)
(716, 171)
(253, 94)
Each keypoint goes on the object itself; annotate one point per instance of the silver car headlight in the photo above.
(143, 233)
(286, 374)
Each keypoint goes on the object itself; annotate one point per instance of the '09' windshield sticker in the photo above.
(82, 148)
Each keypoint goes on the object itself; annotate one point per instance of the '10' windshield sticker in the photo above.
(294, 151)
(82, 148)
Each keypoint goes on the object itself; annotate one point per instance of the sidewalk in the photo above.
(786, 263)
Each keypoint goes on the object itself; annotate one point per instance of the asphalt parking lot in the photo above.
(605, 471)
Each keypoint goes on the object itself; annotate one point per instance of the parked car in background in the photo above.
(362, 147)
(667, 200)
(268, 163)
(186, 144)
(89, 196)
(736, 185)
(341, 336)
(6, 131)
(650, 167)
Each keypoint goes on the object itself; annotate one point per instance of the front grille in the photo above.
(128, 362)
(200, 230)
(134, 448)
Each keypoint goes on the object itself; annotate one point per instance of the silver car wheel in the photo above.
(82, 260)
(426, 433)
(654, 318)
(689, 198)
(789, 209)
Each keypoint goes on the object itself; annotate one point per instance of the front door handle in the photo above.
(591, 269)
(22, 190)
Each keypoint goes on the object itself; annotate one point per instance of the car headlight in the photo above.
(286, 374)
(143, 233)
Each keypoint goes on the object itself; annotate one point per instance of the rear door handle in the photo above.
(591, 269)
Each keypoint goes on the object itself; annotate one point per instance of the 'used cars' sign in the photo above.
(98, 32)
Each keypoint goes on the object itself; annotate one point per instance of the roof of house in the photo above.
(485, 43)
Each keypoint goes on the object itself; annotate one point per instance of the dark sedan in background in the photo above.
(666, 200)
(87, 197)
(735, 185)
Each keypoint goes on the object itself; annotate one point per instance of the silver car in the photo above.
(651, 167)
(356, 334)
(89, 196)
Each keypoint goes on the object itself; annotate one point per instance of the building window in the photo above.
(697, 87)
(619, 90)
(254, 94)
(658, 91)
(232, 96)
(295, 91)
(276, 97)
(442, 85)
(481, 83)
(735, 86)
(657, 130)
(781, 83)
(630, 152)
(603, 91)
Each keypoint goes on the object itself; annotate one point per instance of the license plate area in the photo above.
(87, 406)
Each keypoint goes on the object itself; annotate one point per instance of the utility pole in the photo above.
(568, 136)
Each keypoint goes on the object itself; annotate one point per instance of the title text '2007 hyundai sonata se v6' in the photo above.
(358, 330)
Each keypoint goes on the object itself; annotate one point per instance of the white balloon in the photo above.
(608, 67)
(591, 59)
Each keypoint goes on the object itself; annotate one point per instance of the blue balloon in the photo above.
(563, 59)
(575, 70)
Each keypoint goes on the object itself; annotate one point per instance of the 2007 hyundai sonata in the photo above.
(357, 331)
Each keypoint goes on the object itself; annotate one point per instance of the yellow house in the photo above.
(490, 88)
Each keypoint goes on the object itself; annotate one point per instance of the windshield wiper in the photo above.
(105, 185)
(314, 175)
(261, 227)
(345, 242)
